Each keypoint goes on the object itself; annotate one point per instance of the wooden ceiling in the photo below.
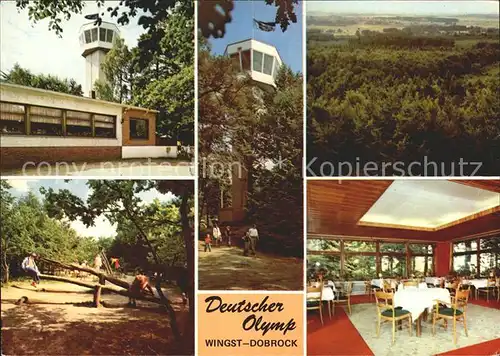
(334, 207)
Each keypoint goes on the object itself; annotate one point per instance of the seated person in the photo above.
(138, 288)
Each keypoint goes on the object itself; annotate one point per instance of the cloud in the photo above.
(102, 228)
(21, 185)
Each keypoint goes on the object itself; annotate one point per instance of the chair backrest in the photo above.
(348, 288)
(387, 286)
(383, 301)
(410, 284)
(461, 298)
(317, 289)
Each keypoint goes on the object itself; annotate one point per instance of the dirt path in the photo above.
(225, 268)
(78, 329)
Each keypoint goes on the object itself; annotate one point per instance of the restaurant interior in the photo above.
(403, 267)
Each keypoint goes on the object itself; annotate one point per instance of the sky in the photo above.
(102, 226)
(36, 48)
(405, 7)
(288, 43)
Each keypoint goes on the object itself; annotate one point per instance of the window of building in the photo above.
(139, 129)
(12, 118)
(102, 34)
(93, 34)
(87, 36)
(45, 121)
(268, 64)
(245, 59)
(257, 61)
(477, 257)
(109, 37)
(328, 264)
(364, 259)
(323, 245)
(104, 126)
(78, 124)
(360, 267)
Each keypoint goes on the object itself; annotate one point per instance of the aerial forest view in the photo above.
(97, 267)
(403, 88)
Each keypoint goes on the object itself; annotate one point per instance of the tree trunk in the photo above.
(5, 266)
(102, 277)
(97, 296)
(189, 246)
(125, 293)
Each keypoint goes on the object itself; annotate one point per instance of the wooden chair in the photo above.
(316, 303)
(344, 297)
(368, 289)
(498, 289)
(489, 289)
(387, 312)
(388, 287)
(410, 283)
(456, 312)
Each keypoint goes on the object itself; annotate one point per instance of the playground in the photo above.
(69, 290)
(64, 320)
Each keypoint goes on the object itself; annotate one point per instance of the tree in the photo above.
(21, 76)
(153, 12)
(163, 65)
(215, 14)
(237, 124)
(117, 68)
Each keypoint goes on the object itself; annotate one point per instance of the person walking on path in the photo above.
(29, 266)
(208, 243)
(216, 234)
(253, 234)
(227, 232)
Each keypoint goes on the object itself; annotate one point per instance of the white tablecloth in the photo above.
(328, 294)
(416, 300)
(477, 283)
(433, 280)
(380, 282)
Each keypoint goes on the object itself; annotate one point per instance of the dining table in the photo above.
(327, 295)
(418, 301)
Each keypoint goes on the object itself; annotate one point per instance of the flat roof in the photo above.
(71, 96)
(253, 39)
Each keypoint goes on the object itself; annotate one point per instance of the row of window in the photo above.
(265, 63)
(359, 260)
(478, 257)
(97, 34)
(35, 120)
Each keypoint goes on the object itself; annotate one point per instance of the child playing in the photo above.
(208, 243)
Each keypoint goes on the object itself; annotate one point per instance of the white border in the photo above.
(304, 171)
(195, 162)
